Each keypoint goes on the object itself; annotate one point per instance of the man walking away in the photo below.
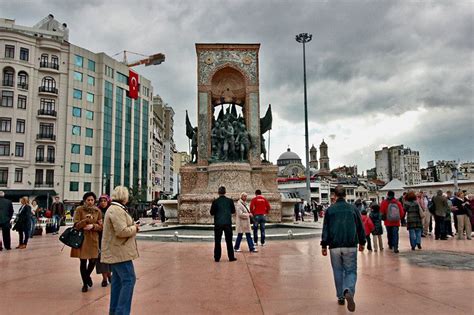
(260, 207)
(392, 212)
(440, 204)
(342, 232)
(58, 214)
(6, 214)
(222, 209)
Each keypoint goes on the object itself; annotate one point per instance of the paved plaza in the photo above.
(285, 277)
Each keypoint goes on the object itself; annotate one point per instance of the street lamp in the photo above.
(305, 38)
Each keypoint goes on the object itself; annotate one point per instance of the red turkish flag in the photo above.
(132, 84)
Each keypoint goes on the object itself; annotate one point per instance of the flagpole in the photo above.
(269, 145)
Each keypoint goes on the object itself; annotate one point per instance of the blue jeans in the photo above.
(123, 282)
(392, 235)
(344, 268)
(415, 237)
(259, 220)
(33, 225)
(56, 222)
(247, 237)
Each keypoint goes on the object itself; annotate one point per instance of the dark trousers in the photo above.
(315, 213)
(24, 235)
(369, 242)
(455, 218)
(6, 236)
(392, 235)
(440, 227)
(227, 229)
(86, 270)
(123, 283)
(448, 227)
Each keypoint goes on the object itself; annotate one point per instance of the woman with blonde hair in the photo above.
(23, 222)
(242, 224)
(119, 249)
(89, 219)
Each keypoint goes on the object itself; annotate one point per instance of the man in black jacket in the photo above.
(6, 214)
(342, 231)
(222, 209)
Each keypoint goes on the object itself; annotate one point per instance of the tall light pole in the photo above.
(305, 38)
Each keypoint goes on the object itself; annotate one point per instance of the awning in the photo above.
(15, 194)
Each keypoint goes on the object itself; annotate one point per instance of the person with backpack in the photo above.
(414, 219)
(392, 212)
(376, 218)
(368, 227)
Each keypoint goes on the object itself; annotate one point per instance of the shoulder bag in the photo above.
(72, 237)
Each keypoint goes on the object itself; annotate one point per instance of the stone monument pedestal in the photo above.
(199, 186)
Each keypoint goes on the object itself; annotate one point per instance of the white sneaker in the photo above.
(238, 250)
(254, 250)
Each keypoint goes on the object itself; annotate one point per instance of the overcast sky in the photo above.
(379, 72)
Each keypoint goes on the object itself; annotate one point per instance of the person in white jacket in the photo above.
(242, 223)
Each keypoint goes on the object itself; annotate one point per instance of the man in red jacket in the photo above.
(392, 212)
(259, 207)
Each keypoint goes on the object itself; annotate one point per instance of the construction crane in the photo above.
(152, 60)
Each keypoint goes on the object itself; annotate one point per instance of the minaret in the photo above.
(313, 157)
(324, 158)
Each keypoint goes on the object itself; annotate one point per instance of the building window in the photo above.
(74, 167)
(122, 78)
(5, 124)
(50, 178)
(44, 60)
(78, 60)
(3, 176)
(54, 62)
(19, 149)
(39, 177)
(9, 51)
(40, 153)
(8, 75)
(77, 76)
(47, 106)
(88, 168)
(4, 148)
(24, 54)
(90, 97)
(23, 80)
(76, 130)
(89, 133)
(76, 112)
(48, 84)
(46, 130)
(18, 175)
(51, 154)
(73, 186)
(21, 104)
(7, 99)
(77, 94)
(89, 115)
(90, 80)
(109, 71)
(75, 148)
(91, 65)
(20, 126)
(87, 186)
(88, 150)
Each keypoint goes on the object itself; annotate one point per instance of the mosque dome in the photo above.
(288, 157)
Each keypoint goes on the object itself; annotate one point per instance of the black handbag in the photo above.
(72, 237)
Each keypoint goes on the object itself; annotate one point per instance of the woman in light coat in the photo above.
(119, 249)
(89, 219)
(242, 223)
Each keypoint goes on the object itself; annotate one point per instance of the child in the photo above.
(376, 218)
(369, 227)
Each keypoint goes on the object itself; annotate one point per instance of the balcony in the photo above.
(41, 159)
(22, 85)
(7, 83)
(48, 90)
(47, 112)
(47, 137)
(44, 184)
(49, 66)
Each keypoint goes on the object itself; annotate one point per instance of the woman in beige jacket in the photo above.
(242, 223)
(119, 249)
(89, 219)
